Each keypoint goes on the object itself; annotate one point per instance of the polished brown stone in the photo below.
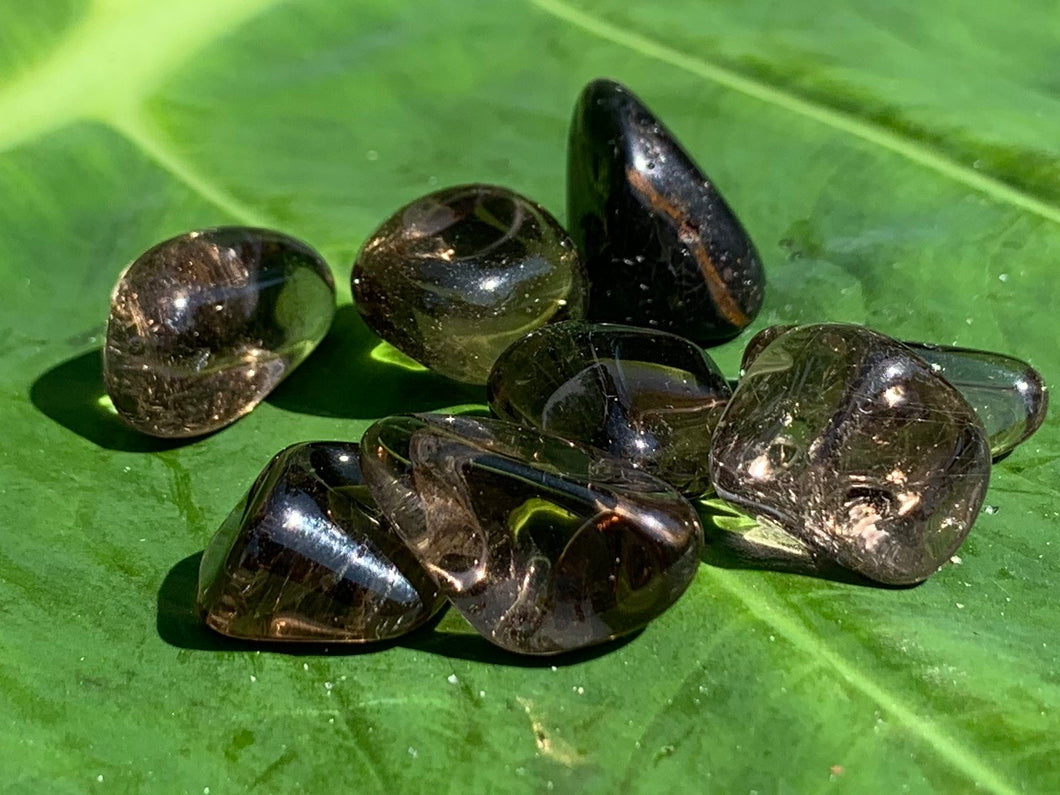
(1008, 395)
(543, 545)
(645, 396)
(307, 556)
(203, 326)
(851, 443)
(661, 246)
(455, 277)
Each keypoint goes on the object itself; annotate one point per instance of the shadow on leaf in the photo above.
(72, 395)
(342, 379)
(179, 624)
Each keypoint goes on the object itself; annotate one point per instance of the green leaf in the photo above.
(897, 165)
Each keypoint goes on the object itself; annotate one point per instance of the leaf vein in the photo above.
(888, 139)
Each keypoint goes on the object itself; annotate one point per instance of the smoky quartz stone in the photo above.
(455, 277)
(661, 246)
(1008, 395)
(203, 326)
(854, 445)
(543, 545)
(307, 556)
(645, 396)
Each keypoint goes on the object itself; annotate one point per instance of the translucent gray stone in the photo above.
(307, 556)
(1008, 395)
(642, 395)
(851, 443)
(543, 545)
(203, 326)
(453, 278)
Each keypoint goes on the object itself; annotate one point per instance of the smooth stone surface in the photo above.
(661, 246)
(203, 326)
(854, 445)
(1008, 395)
(647, 397)
(307, 556)
(543, 545)
(455, 277)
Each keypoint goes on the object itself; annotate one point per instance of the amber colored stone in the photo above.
(1008, 395)
(543, 545)
(857, 447)
(307, 556)
(661, 246)
(203, 326)
(645, 396)
(455, 277)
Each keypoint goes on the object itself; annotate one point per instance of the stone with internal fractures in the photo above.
(543, 545)
(661, 246)
(851, 443)
(306, 556)
(1008, 395)
(645, 396)
(203, 326)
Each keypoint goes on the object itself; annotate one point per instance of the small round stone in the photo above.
(455, 277)
(204, 325)
(645, 396)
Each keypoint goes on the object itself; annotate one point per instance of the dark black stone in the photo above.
(661, 246)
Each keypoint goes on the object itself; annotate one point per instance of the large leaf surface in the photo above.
(897, 166)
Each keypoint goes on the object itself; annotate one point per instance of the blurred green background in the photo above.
(898, 164)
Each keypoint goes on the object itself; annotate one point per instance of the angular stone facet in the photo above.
(855, 446)
(644, 396)
(203, 326)
(661, 246)
(306, 556)
(543, 545)
(455, 277)
(1008, 395)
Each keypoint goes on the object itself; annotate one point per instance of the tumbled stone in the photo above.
(203, 326)
(455, 277)
(854, 445)
(543, 545)
(644, 396)
(1008, 395)
(661, 246)
(307, 556)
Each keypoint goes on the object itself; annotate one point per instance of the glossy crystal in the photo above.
(203, 326)
(661, 246)
(854, 445)
(307, 556)
(1008, 395)
(455, 277)
(544, 546)
(647, 397)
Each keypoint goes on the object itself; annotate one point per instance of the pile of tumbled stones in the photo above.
(566, 521)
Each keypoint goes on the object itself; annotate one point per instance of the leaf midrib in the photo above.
(786, 625)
